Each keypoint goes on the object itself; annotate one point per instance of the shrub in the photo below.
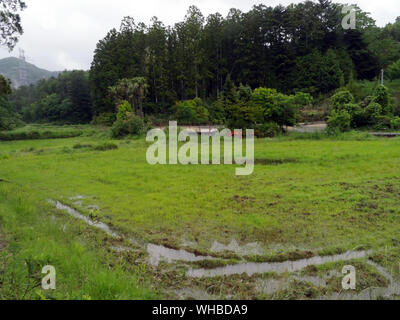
(243, 115)
(395, 123)
(244, 93)
(123, 110)
(134, 125)
(382, 122)
(341, 99)
(383, 98)
(82, 146)
(394, 70)
(9, 120)
(191, 112)
(267, 130)
(373, 111)
(105, 146)
(105, 119)
(277, 107)
(339, 121)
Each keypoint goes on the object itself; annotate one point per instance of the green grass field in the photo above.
(309, 194)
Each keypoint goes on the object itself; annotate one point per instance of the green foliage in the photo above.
(340, 99)
(9, 119)
(395, 123)
(191, 112)
(373, 111)
(382, 97)
(10, 22)
(394, 70)
(105, 146)
(131, 90)
(317, 72)
(277, 107)
(206, 57)
(339, 121)
(383, 122)
(376, 111)
(301, 99)
(65, 99)
(244, 115)
(244, 93)
(133, 125)
(123, 110)
(5, 87)
(29, 133)
(267, 130)
(105, 119)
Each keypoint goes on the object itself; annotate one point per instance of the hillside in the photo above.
(10, 68)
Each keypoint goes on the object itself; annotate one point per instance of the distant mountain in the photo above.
(22, 73)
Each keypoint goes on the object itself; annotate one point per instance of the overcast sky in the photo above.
(62, 34)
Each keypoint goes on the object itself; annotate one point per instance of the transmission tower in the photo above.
(23, 73)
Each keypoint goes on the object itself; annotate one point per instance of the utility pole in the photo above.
(382, 77)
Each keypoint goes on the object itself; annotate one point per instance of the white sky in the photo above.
(62, 34)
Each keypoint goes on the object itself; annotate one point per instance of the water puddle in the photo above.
(99, 225)
(156, 253)
(248, 249)
(161, 253)
(277, 267)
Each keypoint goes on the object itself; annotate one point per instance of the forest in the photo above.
(212, 70)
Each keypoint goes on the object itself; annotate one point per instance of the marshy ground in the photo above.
(310, 197)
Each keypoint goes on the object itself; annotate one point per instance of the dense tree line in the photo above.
(301, 47)
(63, 99)
(9, 118)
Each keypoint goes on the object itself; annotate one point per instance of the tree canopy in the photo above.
(298, 47)
(10, 22)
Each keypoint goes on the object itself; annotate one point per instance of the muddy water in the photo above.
(156, 253)
(161, 253)
(278, 267)
(78, 215)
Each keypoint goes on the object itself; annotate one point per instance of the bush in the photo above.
(191, 112)
(105, 119)
(395, 123)
(394, 70)
(373, 111)
(341, 99)
(243, 115)
(82, 146)
(134, 125)
(383, 98)
(267, 130)
(35, 135)
(9, 120)
(339, 121)
(277, 107)
(383, 123)
(123, 110)
(105, 146)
